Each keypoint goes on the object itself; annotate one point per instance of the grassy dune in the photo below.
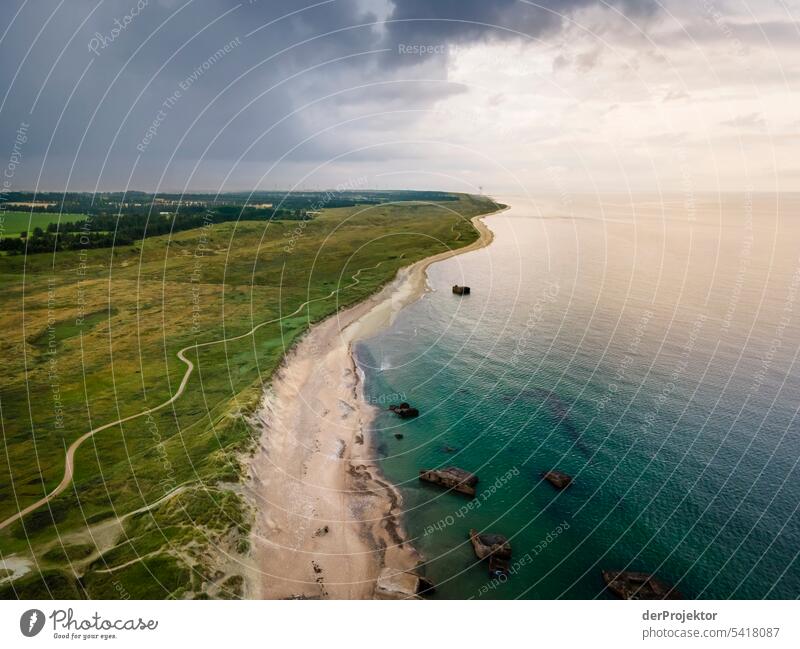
(91, 337)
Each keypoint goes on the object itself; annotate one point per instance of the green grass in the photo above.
(69, 328)
(141, 304)
(15, 222)
(47, 584)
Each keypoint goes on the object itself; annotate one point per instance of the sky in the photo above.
(464, 95)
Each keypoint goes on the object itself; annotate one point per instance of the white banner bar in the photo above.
(399, 624)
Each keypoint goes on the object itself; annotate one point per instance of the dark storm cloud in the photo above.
(113, 90)
(462, 20)
(131, 80)
(458, 21)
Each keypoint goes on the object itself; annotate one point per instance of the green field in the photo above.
(90, 337)
(15, 222)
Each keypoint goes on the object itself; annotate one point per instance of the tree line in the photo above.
(107, 230)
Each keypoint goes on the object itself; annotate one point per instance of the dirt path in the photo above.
(69, 464)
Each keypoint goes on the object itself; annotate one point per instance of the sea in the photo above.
(645, 345)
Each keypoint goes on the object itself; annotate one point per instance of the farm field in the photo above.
(15, 222)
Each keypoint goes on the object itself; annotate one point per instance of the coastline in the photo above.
(327, 523)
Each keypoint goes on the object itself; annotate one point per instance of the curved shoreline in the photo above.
(327, 521)
(411, 283)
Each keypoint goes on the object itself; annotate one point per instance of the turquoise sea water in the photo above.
(647, 346)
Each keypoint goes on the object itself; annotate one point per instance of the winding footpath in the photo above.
(69, 465)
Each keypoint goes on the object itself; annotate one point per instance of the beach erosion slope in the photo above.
(326, 521)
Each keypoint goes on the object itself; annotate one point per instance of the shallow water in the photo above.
(645, 346)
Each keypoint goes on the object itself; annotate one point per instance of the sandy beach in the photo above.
(327, 524)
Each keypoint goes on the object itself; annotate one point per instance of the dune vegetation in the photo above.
(90, 337)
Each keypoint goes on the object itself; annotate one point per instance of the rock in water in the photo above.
(404, 410)
(451, 478)
(557, 479)
(638, 585)
(486, 545)
(495, 548)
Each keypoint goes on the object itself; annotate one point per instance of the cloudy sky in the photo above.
(508, 95)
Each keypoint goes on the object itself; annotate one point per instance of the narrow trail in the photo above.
(69, 464)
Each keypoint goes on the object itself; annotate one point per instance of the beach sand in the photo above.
(327, 523)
